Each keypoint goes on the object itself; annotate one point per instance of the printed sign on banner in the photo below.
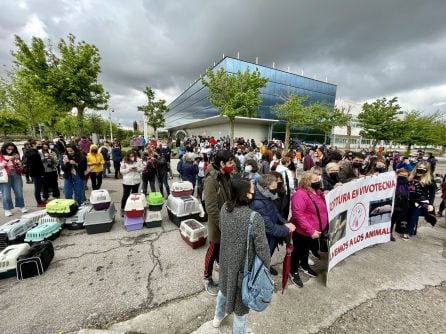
(359, 215)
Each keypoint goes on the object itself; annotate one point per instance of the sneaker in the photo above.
(8, 213)
(24, 210)
(295, 278)
(273, 271)
(210, 287)
(392, 238)
(310, 272)
(405, 237)
(310, 262)
(216, 323)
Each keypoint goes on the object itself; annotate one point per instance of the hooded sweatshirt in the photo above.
(94, 158)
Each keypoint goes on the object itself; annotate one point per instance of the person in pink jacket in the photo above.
(308, 214)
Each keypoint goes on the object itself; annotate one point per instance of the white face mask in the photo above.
(248, 169)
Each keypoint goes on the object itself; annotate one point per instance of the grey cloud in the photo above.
(368, 48)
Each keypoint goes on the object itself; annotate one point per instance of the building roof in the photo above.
(215, 120)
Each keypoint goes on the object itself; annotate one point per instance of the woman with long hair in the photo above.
(10, 163)
(235, 217)
(308, 213)
(131, 169)
(421, 196)
(74, 165)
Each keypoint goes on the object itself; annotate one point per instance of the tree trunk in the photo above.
(231, 139)
(349, 137)
(325, 138)
(374, 141)
(287, 136)
(408, 149)
(80, 120)
(156, 133)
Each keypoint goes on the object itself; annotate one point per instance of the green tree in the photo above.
(154, 110)
(235, 94)
(297, 112)
(11, 122)
(328, 117)
(379, 119)
(69, 77)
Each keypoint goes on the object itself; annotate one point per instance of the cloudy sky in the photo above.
(369, 48)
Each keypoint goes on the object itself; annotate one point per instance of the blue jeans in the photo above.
(15, 183)
(75, 184)
(239, 323)
(412, 221)
(162, 180)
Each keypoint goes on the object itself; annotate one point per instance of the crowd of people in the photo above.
(231, 181)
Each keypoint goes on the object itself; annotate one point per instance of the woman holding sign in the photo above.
(310, 216)
(421, 196)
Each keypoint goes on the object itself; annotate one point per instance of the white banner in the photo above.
(359, 215)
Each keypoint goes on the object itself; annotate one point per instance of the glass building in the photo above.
(193, 104)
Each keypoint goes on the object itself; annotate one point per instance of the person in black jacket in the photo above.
(162, 168)
(276, 227)
(36, 171)
(74, 165)
(189, 169)
(149, 173)
(421, 196)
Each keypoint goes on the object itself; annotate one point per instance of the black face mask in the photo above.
(334, 176)
(381, 170)
(402, 179)
(357, 165)
(316, 185)
(94, 151)
(279, 185)
(421, 171)
(273, 191)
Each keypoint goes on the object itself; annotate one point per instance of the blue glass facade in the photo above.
(193, 103)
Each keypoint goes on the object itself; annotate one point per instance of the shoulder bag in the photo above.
(323, 238)
(3, 176)
(258, 285)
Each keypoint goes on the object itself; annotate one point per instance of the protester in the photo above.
(330, 176)
(265, 166)
(276, 227)
(217, 191)
(26, 148)
(203, 163)
(406, 164)
(376, 166)
(401, 202)
(74, 165)
(116, 157)
(84, 145)
(105, 150)
(189, 169)
(10, 163)
(234, 219)
(421, 195)
(162, 169)
(131, 169)
(309, 160)
(282, 202)
(357, 164)
(50, 161)
(251, 170)
(95, 162)
(432, 161)
(149, 171)
(36, 171)
(309, 211)
(346, 173)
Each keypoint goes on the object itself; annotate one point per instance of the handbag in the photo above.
(257, 285)
(323, 238)
(3, 176)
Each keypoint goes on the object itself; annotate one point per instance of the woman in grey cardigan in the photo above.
(234, 221)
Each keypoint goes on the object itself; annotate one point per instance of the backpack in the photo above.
(257, 286)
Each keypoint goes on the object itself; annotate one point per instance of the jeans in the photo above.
(38, 181)
(239, 323)
(162, 180)
(96, 180)
(412, 221)
(15, 183)
(76, 184)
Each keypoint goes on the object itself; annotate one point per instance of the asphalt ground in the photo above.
(149, 281)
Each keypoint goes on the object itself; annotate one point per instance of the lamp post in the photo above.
(111, 129)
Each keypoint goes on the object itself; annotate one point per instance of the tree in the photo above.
(234, 94)
(10, 122)
(328, 117)
(69, 77)
(296, 112)
(154, 110)
(378, 120)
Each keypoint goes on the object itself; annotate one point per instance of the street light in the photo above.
(111, 129)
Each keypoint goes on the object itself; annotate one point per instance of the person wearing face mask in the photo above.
(309, 212)
(276, 227)
(36, 171)
(131, 169)
(95, 162)
(49, 160)
(251, 171)
(240, 157)
(330, 176)
(401, 203)
(74, 165)
(217, 191)
(189, 169)
(377, 166)
(422, 189)
(357, 164)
